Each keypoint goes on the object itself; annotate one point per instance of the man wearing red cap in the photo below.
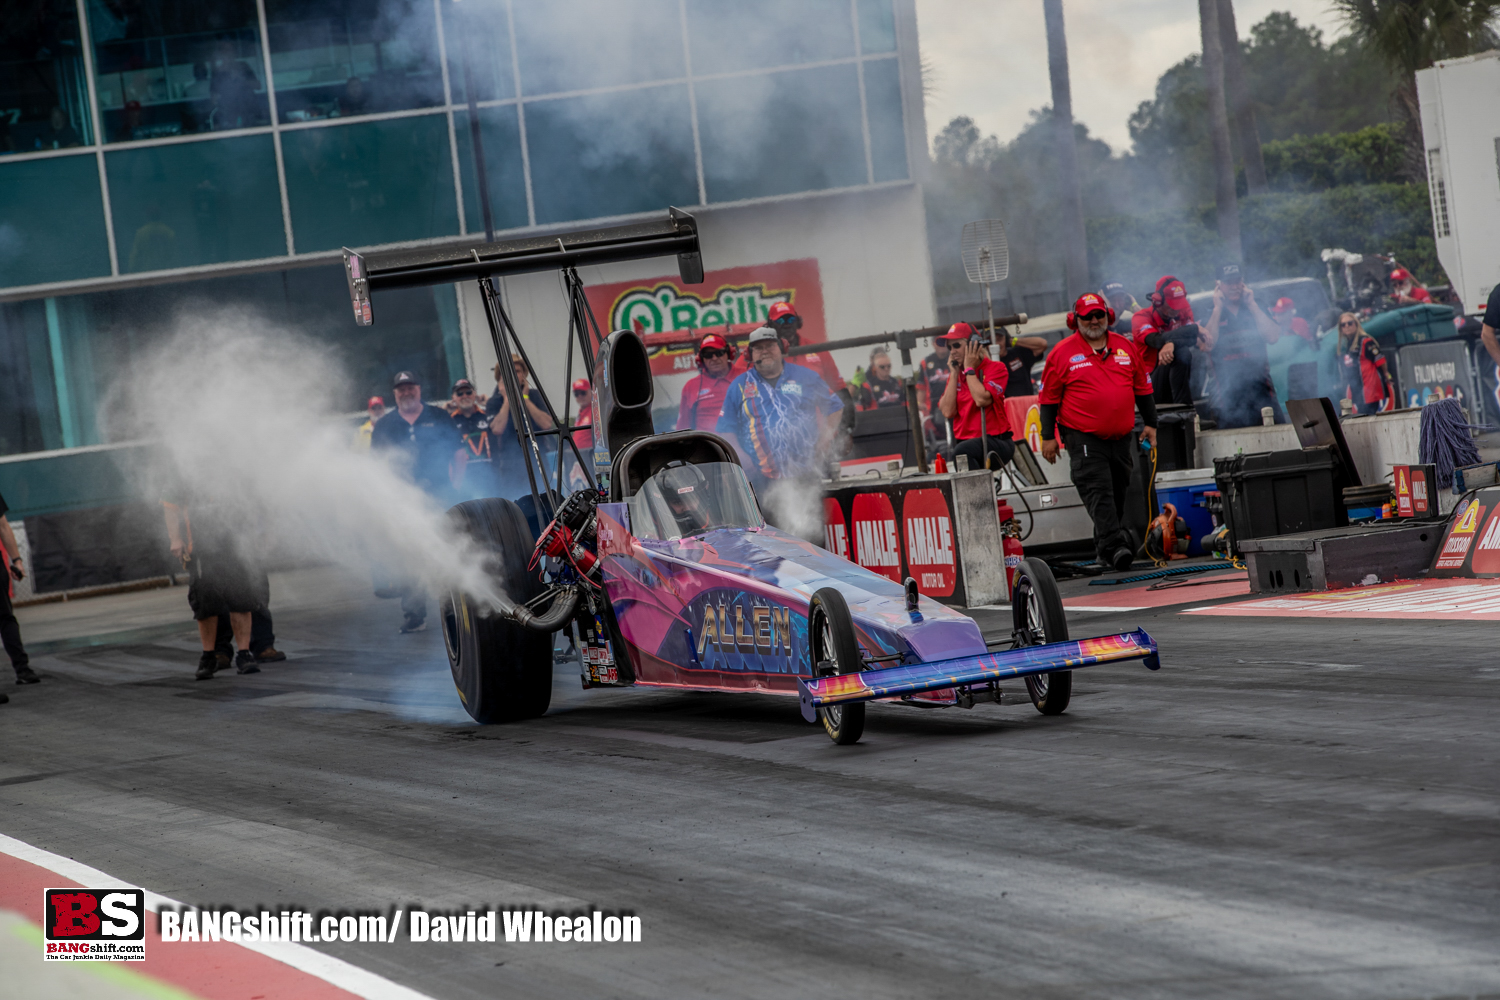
(703, 396)
(1284, 313)
(1165, 337)
(1092, 384)
(1405, 288)
(375, 409)
(974, 401)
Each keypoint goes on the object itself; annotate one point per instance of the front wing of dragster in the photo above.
(918, 677)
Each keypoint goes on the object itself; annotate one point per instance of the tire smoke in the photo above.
(246, 416)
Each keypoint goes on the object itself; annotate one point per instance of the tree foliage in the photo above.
(1317, 162)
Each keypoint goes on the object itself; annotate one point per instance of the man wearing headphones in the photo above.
(784, 319)
(1093, 383)
(703, 396)
(1166, 336)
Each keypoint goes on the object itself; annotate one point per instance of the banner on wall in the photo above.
(733, 296)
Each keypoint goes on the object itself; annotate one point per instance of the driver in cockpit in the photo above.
(682, 488)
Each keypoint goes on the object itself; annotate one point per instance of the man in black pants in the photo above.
(1092, 385)
(10, 629)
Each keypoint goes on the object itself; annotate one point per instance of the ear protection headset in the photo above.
(723, 345)
(1089, 302)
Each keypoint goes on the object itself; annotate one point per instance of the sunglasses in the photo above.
(712, 354)
(1347, 322)
(580, 393)
(785, 321)
(882, 368)
(1096, 314)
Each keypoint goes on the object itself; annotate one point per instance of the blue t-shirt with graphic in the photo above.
(776, 424)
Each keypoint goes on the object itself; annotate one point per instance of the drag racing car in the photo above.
(666, 573)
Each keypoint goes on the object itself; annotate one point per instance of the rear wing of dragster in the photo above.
(676, 235)
(1000, 665)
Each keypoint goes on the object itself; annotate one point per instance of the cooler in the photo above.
(1184, 489)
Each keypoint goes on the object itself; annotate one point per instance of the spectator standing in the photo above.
(932, 380)
(583, 433)
(424, 444)
(1021, 354)
(703, 396)
(1489, 330)
(1284, 313)
(374, 410)
(510, 464)
(881, 389)
(1366, 376)
(1405, 290)
(10, 629)
(974, 401)
(783, 419)
(1124, 305)
(206, 534)
(787, 322)
(1237, 333)
(1093, 384)
(473, 426)
(1166, 338)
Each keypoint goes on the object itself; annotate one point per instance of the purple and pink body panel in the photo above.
(727, 611)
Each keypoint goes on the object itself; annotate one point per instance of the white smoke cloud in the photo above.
(244, 412)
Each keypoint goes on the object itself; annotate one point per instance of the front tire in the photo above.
(832, 642)
(1038, 617)
(503, 672)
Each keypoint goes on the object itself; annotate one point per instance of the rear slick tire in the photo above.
(831, 639)
(1038, 617)
(503, 672)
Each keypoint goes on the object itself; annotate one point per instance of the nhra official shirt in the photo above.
(1095, 390)
(775, 423)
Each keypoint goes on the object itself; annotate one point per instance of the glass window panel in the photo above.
(477, 29)
(781, 133)
(877, 27)
(611, 154)
(51, 221)
(28, 396)
(193, 203)
(338, 58)
(370, 183)
(501, 135)
(583, 44)
(731, 35)
(173, 69)
(887, 133)
(44, 100)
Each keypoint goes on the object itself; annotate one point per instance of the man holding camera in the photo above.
(1093, 383)
(1237, 333)
(974, 400)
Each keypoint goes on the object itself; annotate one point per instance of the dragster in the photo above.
(663, 566)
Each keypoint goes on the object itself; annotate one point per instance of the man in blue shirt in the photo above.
(427, 447)
(782, 418)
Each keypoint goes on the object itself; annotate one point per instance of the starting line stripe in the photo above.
(209, 969)
(1439, 600)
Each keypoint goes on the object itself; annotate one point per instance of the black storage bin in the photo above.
(1279, 492)
(886, 431)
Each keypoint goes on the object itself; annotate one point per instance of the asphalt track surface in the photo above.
(1290, 808)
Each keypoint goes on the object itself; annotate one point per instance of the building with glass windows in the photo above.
(155, 154)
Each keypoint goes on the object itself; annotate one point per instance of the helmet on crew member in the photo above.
(1089, 303)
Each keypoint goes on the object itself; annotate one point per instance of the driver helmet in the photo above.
(783, 318)
(682, 487)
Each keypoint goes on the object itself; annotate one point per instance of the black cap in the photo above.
(406, 378)
(462, 383)
(1230, 272)
(1112, 288)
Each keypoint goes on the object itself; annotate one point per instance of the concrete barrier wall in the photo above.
(1380, 441)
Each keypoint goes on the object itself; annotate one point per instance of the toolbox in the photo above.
(1341, 557)
(1279, 492)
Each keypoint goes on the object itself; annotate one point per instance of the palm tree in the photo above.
(1413, 34)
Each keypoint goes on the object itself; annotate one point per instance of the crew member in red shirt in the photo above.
(974, 400)
(1165, 336)
(1405, 289)
(703, 396)
(1093, 383)
(1284, 314)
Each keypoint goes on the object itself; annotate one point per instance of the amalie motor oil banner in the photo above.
(734, 296)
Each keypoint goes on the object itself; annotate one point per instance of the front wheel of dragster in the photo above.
(503, 672)
(1038, 618)
(834, 649)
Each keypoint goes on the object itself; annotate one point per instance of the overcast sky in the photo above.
(990, 56)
